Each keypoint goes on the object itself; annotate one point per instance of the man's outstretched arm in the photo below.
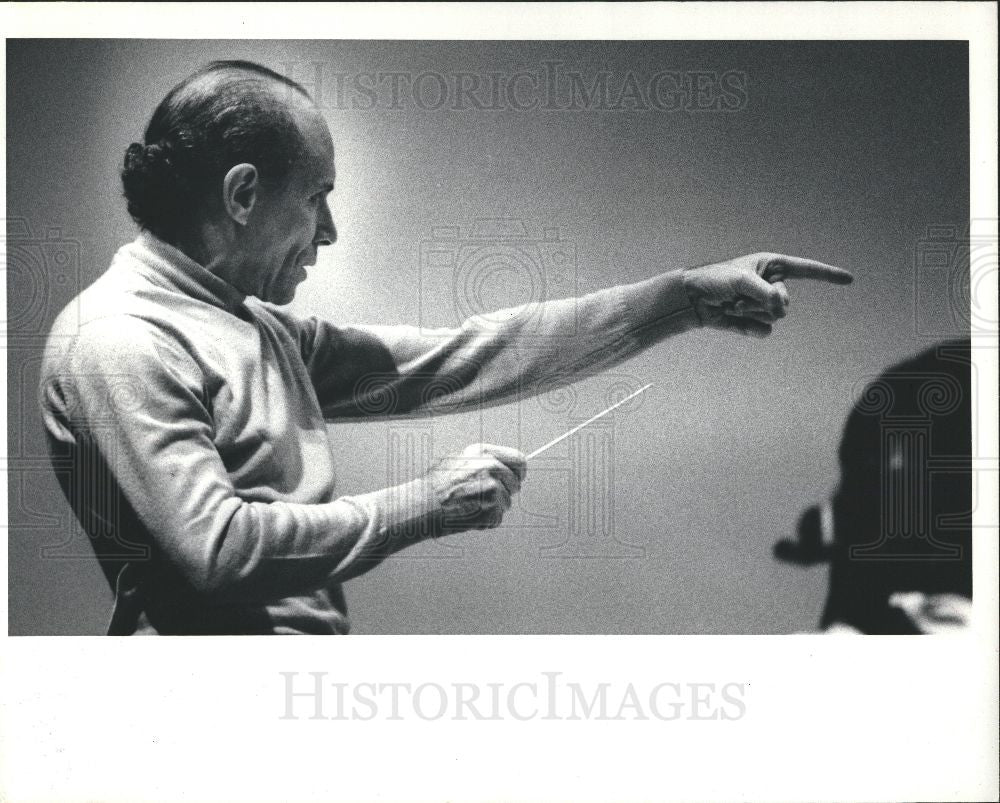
(392, 371)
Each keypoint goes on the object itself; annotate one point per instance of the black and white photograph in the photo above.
(497, 335)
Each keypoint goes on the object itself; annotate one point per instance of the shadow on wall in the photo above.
(898, 531)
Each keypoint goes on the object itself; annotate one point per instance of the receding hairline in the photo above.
(229, 81)
(220, 76)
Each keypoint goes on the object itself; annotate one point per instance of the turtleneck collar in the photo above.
(169, 266)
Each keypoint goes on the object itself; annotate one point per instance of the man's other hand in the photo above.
(748, 294)
(473, 490)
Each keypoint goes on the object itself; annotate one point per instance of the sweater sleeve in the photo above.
(132, 401)
(400, 371)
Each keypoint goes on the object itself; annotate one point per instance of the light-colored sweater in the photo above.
(187, 425)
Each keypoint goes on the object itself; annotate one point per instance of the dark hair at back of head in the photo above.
(226, 113)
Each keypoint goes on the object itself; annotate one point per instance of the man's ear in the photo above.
(239, 192)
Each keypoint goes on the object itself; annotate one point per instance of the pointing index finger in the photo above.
(781, 267)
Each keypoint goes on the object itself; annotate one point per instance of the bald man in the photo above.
(193, 409)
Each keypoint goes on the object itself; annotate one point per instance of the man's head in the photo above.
(235, 169)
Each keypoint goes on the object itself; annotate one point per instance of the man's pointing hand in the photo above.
(748, 294)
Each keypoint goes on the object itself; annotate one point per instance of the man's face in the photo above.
(290, 223)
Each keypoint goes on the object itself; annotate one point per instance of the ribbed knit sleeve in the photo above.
(399, 371)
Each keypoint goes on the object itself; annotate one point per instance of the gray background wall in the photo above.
(846, 152)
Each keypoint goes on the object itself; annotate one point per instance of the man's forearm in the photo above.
(600, 330)
(397, 517)
(658, 307)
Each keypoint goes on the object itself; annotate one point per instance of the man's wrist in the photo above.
(690, 290)
(403, 513)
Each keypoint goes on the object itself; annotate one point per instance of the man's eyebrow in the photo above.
(327, 186)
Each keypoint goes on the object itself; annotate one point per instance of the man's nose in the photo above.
(326, 232)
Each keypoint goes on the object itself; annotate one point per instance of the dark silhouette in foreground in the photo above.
(898, 531)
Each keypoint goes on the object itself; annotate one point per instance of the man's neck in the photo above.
(207, 248)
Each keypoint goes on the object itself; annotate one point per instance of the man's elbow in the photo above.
(215, 581)
(227, 568)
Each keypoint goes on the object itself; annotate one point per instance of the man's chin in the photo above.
(277, 299)
(282, 300)
(283, 293)
(282, 296)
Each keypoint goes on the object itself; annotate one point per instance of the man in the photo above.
(193, 408)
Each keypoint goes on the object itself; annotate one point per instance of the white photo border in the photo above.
(825, 718)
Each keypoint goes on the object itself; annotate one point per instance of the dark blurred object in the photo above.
(901, 520)
(816, 538)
